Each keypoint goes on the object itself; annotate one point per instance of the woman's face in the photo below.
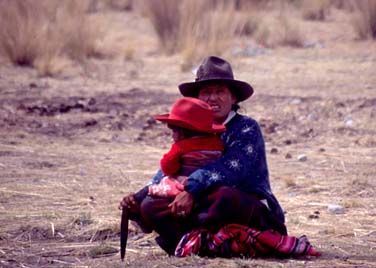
(220, 98)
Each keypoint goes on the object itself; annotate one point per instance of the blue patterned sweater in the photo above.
(243, 165)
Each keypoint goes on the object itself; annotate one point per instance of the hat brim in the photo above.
(240, 89)
(179, 123)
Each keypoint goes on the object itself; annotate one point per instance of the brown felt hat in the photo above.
(213, 70)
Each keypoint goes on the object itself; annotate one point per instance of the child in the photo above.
(195, 144)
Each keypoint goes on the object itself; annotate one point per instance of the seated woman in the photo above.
(233, 189)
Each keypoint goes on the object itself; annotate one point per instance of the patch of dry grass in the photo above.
(315, 10)
(119, 4)
(23, 30)
(290, 33)
(279, 31)
(194, 28)
(290, 182)
(165, 17)
(40, 33)
(213, 32)
(364, 20)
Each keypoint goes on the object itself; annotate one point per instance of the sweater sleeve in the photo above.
(243, 146)
(156, 178)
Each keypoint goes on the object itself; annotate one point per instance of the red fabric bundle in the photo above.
(238, 240)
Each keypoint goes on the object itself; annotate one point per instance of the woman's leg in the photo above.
(228, 205)
(156, 214)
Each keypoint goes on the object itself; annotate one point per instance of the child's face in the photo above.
(176, 133)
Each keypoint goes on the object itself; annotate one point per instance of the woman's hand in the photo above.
(182, 204)
(129, 203)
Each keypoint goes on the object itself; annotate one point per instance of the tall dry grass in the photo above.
(279, 28)
(194, 27)
(280, 31)
(315, 10)
(40, 33)
(165, 17)
(96, 6)
(364, 20)
(290, 33)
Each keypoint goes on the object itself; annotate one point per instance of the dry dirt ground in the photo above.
(72, 146)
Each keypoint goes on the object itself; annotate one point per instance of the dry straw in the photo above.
(315, 10)
(40, 33)
(197, 28)
(193, 27)
(364, 20)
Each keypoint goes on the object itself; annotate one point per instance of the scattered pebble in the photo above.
(288, 142)
(33, 85)
(302, 158)
(90, 123)
(348, 121)
(313, 216)
(288, 156)
(145, 244)
(336, 209)
(312, 116)
(274, 151)
(313, 44)
(296, 101)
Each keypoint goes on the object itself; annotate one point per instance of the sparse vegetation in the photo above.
(195, 28)
(83, 219)
(279, 31)
(102, 250)
(315, 189)
(364, 20)
(315, 10)
(40, 33)
(290, 33)
(165, 17)
(290, 182)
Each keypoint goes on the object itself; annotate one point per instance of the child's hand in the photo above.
(167, 187)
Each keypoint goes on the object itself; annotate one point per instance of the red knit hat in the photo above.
(191, 113)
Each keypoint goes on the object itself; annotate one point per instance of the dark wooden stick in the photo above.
(123, 232)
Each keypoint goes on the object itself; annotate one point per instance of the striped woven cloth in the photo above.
(236, 240)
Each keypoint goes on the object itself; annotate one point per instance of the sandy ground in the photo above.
(72, 146)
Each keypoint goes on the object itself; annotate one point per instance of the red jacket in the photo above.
(172, 163)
